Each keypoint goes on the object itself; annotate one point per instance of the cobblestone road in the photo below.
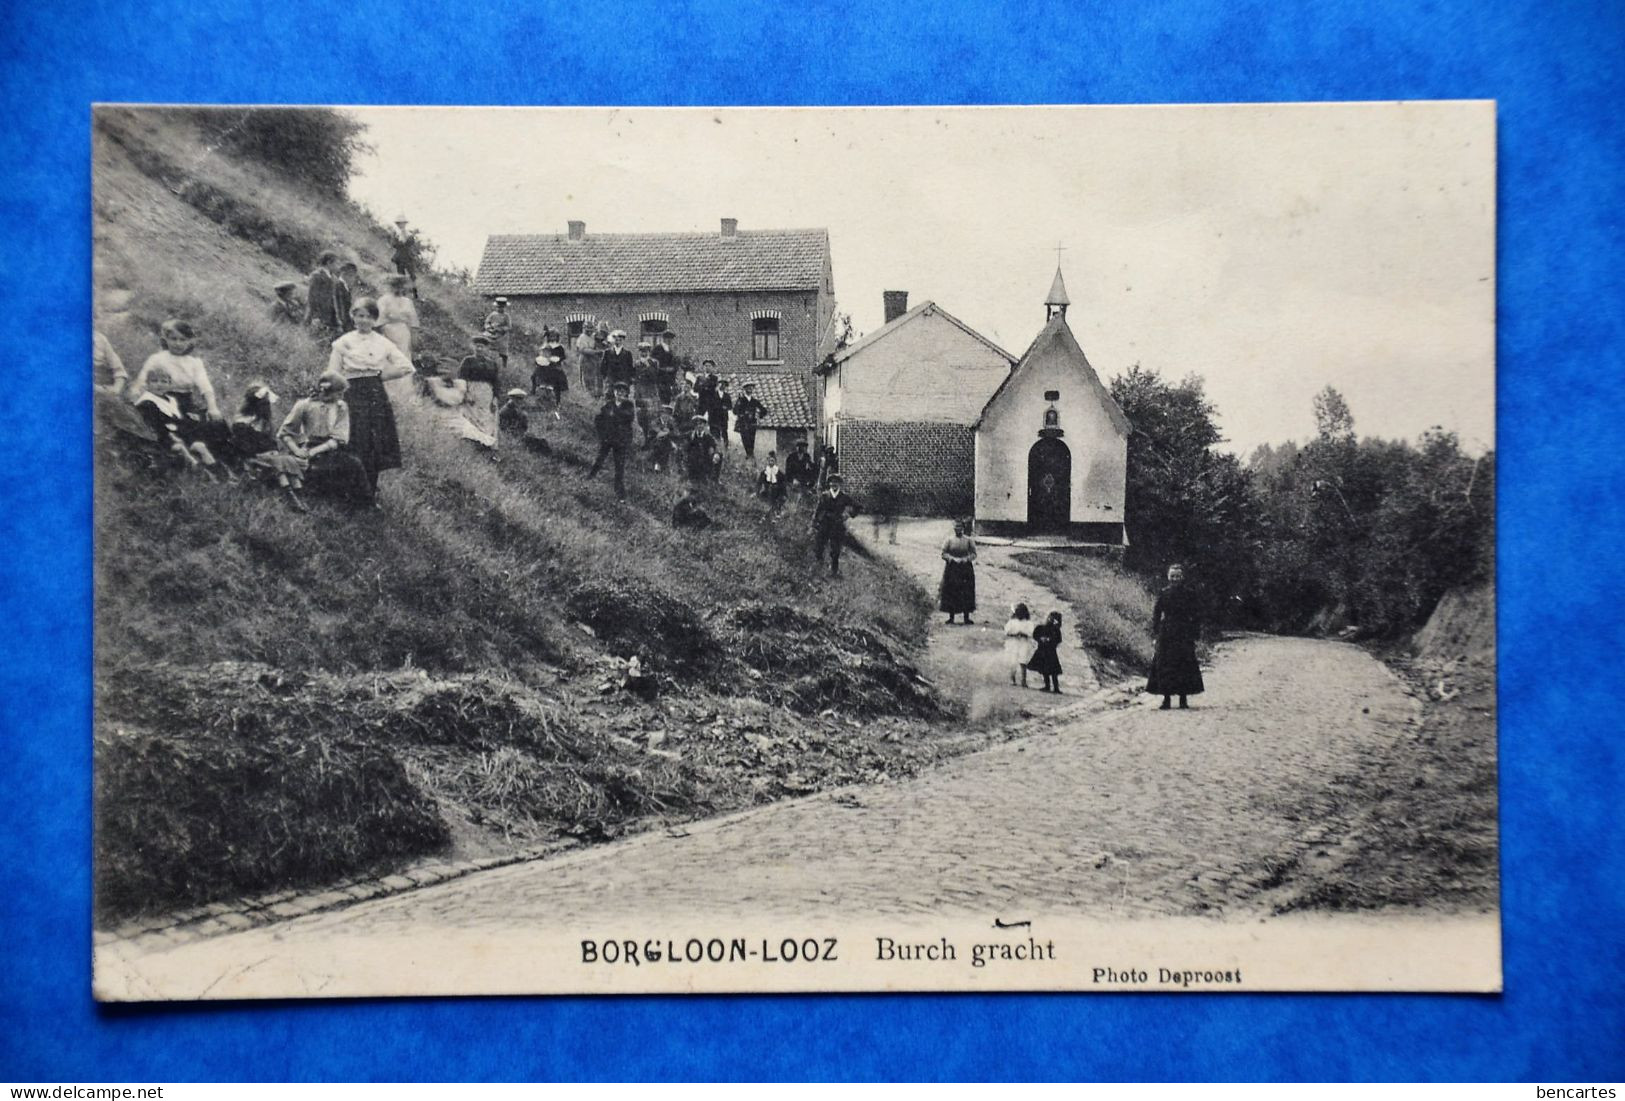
(1112, 814)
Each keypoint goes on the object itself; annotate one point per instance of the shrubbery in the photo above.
(1369, 533)
(317, 145)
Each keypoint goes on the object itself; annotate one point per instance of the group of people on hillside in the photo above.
(337, 439)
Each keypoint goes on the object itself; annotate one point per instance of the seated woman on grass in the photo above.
(173, 394)
(253, 438)
(316, 434)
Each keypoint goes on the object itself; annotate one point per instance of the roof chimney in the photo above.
(896, 304)
(578, 230)
(730, 227)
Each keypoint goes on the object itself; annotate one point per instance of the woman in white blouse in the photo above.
(397, 317)
(367, 359)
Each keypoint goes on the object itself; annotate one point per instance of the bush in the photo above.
(1378, 529)
(316, 145)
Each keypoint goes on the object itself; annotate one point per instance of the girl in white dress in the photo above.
(1018, 642)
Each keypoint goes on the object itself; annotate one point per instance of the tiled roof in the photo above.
(1056, 331)
(924, 309)
(784, 395)
(620, 263)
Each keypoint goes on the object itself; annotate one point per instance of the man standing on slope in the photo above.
(498, 326)
(321, 303)
(404, 252)
(829, 523)
(614, 426)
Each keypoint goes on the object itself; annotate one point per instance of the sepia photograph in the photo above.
(675, 550)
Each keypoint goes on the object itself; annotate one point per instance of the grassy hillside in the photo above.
(240, 642)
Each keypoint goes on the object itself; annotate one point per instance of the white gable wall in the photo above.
(1010, 428)
(926, 370)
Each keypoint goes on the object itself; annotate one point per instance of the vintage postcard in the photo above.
(652, 550)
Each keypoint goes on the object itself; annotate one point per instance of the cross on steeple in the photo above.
(1059, 248)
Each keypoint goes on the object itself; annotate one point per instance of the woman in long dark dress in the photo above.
(1046, 659)
(957, 595)
(1176, 621)
(367, 359)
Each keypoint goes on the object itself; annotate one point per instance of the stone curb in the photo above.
(163, 931)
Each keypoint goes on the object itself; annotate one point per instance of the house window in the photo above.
(650, 327)
(764, 339)
(573, 328)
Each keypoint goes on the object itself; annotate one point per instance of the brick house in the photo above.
(1052, 444)
(899, 405)
(758, 302)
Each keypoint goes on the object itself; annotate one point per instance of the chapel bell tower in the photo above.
(1056, 302)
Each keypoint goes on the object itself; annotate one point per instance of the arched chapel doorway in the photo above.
(1049, 486)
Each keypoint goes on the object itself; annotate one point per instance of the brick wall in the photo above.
(932, 465)
(708, 326)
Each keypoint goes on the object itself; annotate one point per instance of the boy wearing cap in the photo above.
(747, 411)
(829, 523)
(715, 404)
(511, 415)
(498, 326)
(344, 293)
(590, 348)
(685, 404)
(321, 303)
(646, 388)
(702, 461)
(287, 308)
(666, 369)
(663, 443)
(801, 470)
(618, 360)
(614, 427)
(772, 483)
(404, 253)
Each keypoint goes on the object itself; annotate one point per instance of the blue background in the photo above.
(1556, 69)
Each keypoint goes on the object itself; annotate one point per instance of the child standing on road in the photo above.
(1046, 659)
(1018, 642)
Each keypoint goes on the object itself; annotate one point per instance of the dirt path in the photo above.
(1114, 814)
(967, 663)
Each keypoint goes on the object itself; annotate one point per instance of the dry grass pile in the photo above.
(190, 810)
(237, 777)
(809, 664)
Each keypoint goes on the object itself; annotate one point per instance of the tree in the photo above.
(1184, 502)
(1375, 530)
(1333, 421)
